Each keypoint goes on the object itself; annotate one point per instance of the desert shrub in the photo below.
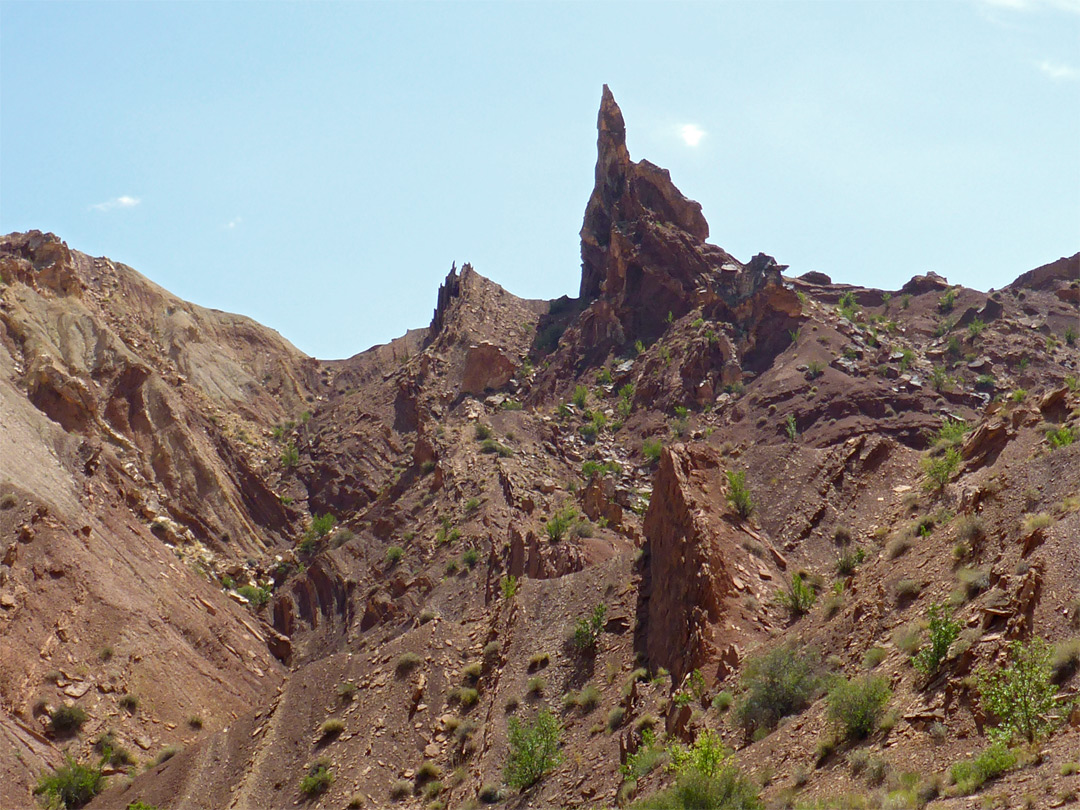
(1020, 695)
(560, 523)
(67, 719)
(165, 754)
(1060, 437)
(394, 555)
(615, 717)
(318, 779)
(587, 629)
(738, 495)
(1035, 522)
(908, 589)
(971, 774)
(129, 703)
(538, 661)
(781, 682)
(587, 699)
(873, 657)
(939, 470)
(650, 449)
(645, 759)
(943, 632)
(490, 794)
(796, 596)
(848, 559)
(974, 581)
(536, 685)
(580, 396)
(406, 663)
(723, 700)
(290, 456)
(427, 771)
(496, 448)
(1066, 660)
(481, 432)
(470, 673)
(534, 749)
(255, 595)
(705, 777)
(470, 558)
(332, 728)
(951, 432)
(196, 722)
(509, 586)
(71, 785)
(322, 525)
(8, 501)
(465, 695)
(857, 705)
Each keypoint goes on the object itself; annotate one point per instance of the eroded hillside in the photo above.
(277, 580)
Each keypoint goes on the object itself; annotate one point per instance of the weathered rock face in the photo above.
(698, 569)
(487, 367)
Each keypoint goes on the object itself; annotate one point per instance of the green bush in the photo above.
(796, 596)
(71, 785)
(394, 555)
(471, 557)
(534, 749)
(856, 706)
(67, 719)
(781, 682)
(406, 663)
(290, 456)
(587, 629)
(738, 495)
(939, 470)
(651, 449)
(321, 525)
(481, 432)
(509, 586)
(496, 448)
(1021, 695)
(972, 774)
(318, 779)
(560, 523)
(943, 632)
(255, 595)
(705, 778)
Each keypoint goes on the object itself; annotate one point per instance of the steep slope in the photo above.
(439, 518)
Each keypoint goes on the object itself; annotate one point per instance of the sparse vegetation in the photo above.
(331, 728)
(509, 586)
(256, 596)
(394, 555)
(560, 522)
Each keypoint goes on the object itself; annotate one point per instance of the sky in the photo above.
(319, 166)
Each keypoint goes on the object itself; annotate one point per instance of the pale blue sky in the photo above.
(318, 166)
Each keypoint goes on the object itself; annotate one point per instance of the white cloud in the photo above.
(1070, 6)
(232, 223)
(1059, 70)
(692, 134)
(119, 202)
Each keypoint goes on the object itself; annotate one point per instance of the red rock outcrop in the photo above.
(698, 568)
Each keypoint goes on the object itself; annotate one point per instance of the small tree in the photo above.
(939, 470)
(534, 750)
(738, 495)
(943, 632)
(1021, 695)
